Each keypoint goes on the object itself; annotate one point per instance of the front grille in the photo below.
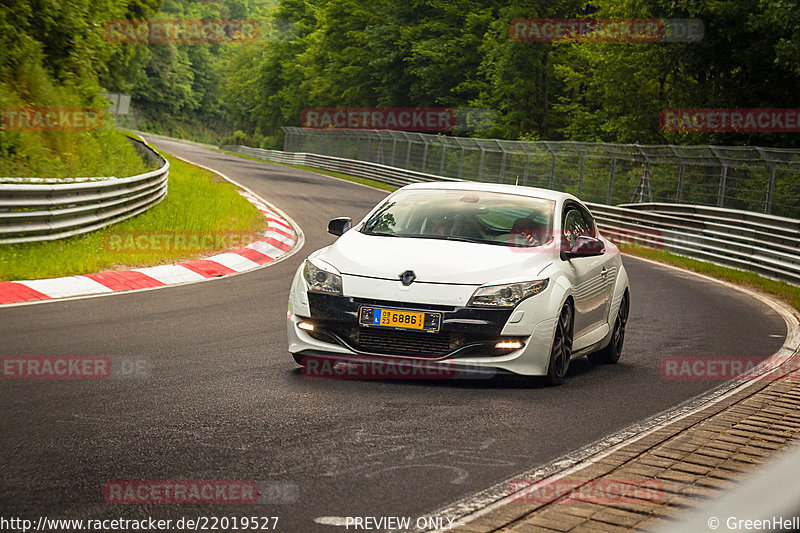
(336, 320)
(407, 343)
(404, 342)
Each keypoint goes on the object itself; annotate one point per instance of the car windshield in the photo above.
(465, 215)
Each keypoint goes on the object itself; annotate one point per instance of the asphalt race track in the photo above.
(219, 397)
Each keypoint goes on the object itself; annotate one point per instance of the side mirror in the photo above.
(338, 226)
(585, 246)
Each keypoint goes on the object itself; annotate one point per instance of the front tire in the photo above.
(610, 354)
(561, 351)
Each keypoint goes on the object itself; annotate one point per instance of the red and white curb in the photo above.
(280, 238)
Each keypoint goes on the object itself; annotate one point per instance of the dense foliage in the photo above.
(53, 55)
(458, 53)
(327, 53)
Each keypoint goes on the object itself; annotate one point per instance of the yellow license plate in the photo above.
(400, 319)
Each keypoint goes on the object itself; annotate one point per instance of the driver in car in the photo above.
(528, 232)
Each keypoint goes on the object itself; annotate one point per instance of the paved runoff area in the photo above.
(652, 482)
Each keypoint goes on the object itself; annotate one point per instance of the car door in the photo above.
(592, 290)
(608, 269)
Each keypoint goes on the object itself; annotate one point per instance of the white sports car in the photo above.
(469, 275)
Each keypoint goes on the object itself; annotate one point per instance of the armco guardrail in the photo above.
(766, 244)
(33, 209)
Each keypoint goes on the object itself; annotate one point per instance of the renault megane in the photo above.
(466, 275)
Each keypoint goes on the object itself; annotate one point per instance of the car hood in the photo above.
(434, 260)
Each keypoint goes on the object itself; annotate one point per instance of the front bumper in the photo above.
(470, 346)
(463, 332)
(467, 335)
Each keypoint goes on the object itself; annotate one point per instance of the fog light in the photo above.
(306, 326)
(509, 345)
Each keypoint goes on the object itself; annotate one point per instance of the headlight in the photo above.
(507, 295)
(319, 280)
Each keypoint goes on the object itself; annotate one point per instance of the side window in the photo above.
(575, 225)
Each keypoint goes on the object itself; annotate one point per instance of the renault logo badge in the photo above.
(408, 277)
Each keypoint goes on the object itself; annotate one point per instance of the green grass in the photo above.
(199, 205)
(68, 154)
(784, 291)
(363, 181)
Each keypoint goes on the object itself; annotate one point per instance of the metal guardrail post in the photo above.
(582, 155)
(379, 156)
(770, 189)
(611, 180)
(644, 181)
(441, 161)
(723, 176)
(502, 162)
(424, 154)
(408, 151)
(681, 174)
(358, 147)
(722, 181)
(480, 165)
(553, 165)
(527, 165)
(369, 147)
(644, 185)
(771, 184)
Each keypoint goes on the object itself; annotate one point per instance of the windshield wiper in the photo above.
(443, 238)
(437, 237)
(464, 239)
(379, 234)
